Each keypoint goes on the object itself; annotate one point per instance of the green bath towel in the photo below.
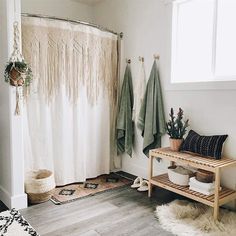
(151, 117)
(125, 129)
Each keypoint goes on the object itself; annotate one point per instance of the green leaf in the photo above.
(176, 127)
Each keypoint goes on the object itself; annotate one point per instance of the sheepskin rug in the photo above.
(184, 218)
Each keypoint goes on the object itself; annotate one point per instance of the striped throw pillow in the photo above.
(210, 146)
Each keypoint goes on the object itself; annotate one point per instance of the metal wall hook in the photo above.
(141, 59)
(128, 61)
(156, 56)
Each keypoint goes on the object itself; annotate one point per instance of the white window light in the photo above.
(203, 41)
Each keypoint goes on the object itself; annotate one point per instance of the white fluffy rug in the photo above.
(13, 224)
(184, 218)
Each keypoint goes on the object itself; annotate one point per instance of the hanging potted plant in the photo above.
(176, 129)
(17, 72)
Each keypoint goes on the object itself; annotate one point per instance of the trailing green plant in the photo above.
(22, 68)
(176, 127)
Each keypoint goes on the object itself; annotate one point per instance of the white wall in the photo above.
(61, 8)
(5, 166)
(147, 30)
(11, 132)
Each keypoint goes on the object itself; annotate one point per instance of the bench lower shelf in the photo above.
(225, 195)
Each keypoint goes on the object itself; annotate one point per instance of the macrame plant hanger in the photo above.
(17, 72)
(16, 56)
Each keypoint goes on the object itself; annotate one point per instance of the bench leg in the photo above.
(149, 190)
(216, 213)
(150, 175)
(216, 199)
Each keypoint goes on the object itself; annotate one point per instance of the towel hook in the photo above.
(141, 59)
(156, 56)
(128, 61)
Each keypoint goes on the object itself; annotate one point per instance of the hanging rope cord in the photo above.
(16, 56)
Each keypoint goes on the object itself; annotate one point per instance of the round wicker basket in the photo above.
(39, 185)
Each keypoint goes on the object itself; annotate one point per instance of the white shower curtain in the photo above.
(69, 113)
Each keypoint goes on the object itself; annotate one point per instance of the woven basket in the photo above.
(177, 178)
(39, 185)
(204, 176)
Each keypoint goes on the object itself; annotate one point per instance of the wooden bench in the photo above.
(215, 200)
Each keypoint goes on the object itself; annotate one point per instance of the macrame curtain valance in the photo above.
(72, 55)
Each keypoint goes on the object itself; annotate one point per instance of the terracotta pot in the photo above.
(16, 78)
(175, 144)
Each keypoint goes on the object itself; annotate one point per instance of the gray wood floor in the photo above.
(118, 212)
(2, 207)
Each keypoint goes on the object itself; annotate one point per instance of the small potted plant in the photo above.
(176, 129)
(18, 73)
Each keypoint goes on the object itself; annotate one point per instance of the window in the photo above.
(203, 40)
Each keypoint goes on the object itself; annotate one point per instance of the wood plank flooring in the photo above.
(118, 212)
(2, 207)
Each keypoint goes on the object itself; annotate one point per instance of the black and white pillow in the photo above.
(210, 146)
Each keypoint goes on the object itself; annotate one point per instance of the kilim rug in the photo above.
(13, 224)
(91, 187)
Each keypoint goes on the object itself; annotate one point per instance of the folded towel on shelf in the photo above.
(191, 187)
(194, 187)
(201, 185)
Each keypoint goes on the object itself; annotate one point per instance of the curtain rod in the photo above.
(73, 21)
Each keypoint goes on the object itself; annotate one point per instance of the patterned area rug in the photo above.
(184, 218)
(13, 224)
(91, 187)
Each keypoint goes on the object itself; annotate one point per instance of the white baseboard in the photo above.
(17, 201)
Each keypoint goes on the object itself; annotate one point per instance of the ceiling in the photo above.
(88, 2)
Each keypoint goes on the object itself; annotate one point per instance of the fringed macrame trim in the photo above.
(60, 56)
(17, 109)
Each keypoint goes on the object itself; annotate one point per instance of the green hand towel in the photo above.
(125, 129)
(151, 117)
